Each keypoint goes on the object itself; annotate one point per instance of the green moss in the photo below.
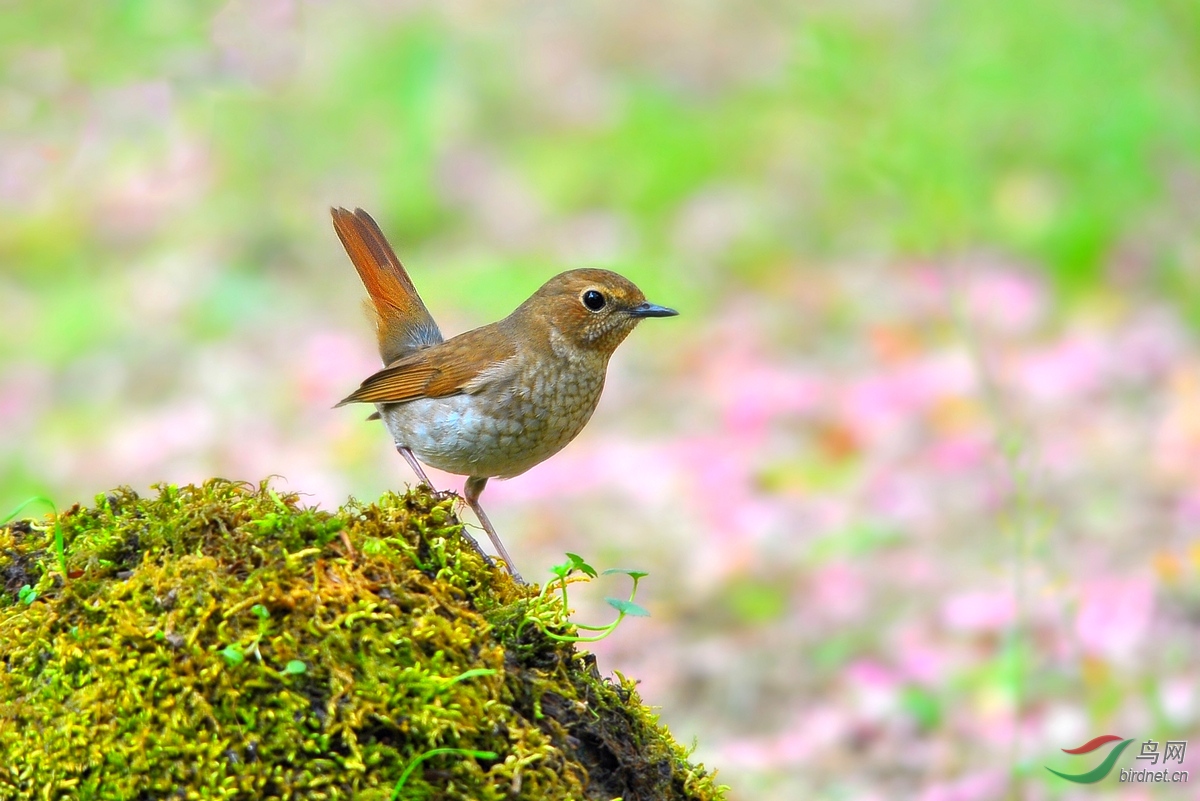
(223, 642)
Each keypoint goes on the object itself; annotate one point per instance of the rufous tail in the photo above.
(402, 322)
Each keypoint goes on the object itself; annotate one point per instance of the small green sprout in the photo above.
(575, 561)
(373, 546)
(264, 615)
(295, 667)
(60, 548)
(27, 595)
(562, 576)
(233, 654)
(468, 674)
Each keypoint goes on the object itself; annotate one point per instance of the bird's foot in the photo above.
(475, 545)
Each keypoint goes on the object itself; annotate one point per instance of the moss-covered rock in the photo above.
(223, 642)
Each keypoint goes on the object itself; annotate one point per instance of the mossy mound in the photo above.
(223, 642)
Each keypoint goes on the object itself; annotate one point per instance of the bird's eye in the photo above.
(593, 300)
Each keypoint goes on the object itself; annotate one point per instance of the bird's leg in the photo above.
(475, 485)
(416, 466)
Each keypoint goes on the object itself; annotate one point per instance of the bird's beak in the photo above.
(651, 310)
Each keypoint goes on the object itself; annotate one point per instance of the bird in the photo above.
(497, 400)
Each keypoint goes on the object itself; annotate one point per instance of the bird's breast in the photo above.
(505, 427)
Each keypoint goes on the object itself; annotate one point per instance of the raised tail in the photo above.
(402, 323)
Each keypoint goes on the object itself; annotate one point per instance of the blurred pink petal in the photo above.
(1179, 699)
(875, 689)
(1065, 372)
(982, 786)
(901, 499)
(1114, 616)
(143, 444)
(1149, 346)
(24, 389)
(332, 363)
(838, 591)
(880, 403)
(1005, 300)
(621, 466)
(767, 393)
(957, 453)
(1187, 509)
(921, 659)
(819, 728)
(979, 611)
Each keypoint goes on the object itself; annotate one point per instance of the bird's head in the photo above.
(592, 309)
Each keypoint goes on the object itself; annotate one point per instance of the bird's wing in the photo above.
(465, 364)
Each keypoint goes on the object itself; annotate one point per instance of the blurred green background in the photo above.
(896, 231)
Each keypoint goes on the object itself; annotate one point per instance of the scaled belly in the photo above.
(454, 435)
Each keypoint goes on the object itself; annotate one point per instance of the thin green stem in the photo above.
(609, 629)
(60, 548)
(468, 674)
(417, 760)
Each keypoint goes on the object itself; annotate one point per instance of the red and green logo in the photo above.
(1100, 771)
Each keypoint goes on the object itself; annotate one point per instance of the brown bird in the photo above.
(497, 400)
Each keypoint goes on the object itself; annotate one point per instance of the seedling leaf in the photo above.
(627, 607)
(576, 563)
(633, 574)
